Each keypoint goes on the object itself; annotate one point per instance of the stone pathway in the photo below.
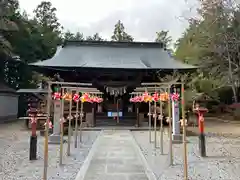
(115, 156)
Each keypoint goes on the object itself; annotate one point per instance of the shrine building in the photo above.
(114, 68)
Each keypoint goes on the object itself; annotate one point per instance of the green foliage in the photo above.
(119, 33)
(73, 37)
(163, 36)
(30, 39)
(7, 8)
(212, 43)
(49, 27)
(95, 37)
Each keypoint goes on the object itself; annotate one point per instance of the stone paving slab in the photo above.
(115, 156)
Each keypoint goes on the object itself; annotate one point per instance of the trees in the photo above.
(79, 36)
(69, 36)
(212, 42)
(163, 36)
(7, 8)
(95, 37)
(50, 28)
(119, 33)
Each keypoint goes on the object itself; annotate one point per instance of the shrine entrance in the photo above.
(114, 110)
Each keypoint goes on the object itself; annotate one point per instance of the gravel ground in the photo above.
(14, 156)
(222, 161)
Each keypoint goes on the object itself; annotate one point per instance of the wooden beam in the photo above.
(69, 83)
(163, 83)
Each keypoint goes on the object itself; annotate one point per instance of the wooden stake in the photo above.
(81, 120)
(184, 137)
(76, 124)
(117, 111)
(137, 123)
(69, 127)
(161, 128)
(61, 131)
(155, 124)
(46, 134)
(149, 122)
(170, 129)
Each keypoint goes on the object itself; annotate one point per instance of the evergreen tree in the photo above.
(119, 33)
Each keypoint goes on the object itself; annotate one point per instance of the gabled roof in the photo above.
(124, 55)
(42, 91)
(5, 89)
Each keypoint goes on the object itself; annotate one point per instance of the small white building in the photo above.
(8, 104)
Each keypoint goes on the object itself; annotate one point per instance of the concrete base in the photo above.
(177, 138)
(54, 139)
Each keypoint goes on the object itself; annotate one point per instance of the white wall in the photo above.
(8, 105)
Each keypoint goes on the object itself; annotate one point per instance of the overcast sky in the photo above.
(141, 18)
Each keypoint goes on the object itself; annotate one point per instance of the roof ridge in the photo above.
(114, 44)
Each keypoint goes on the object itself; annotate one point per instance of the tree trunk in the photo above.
(235, 95)
(230, 75)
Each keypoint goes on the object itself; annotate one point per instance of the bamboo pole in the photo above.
(81, 120)
(76, 123)
(45, 168)
(69, 126)
(155, 124)
(117, 111)
(184, 137)
(61, 130)
(161, 128)
(170, 129)
(149, 122)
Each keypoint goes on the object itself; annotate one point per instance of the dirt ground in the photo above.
(219, 127)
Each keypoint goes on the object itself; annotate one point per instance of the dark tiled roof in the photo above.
(136, 55)
(44, 91)
(5, 89)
